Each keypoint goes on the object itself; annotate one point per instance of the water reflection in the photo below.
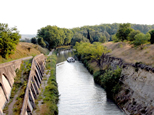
(63, 55)
(79, 95)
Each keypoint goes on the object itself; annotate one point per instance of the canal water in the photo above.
(79, 95)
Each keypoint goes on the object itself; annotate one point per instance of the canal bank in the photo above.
(132, 89)
(79, 95)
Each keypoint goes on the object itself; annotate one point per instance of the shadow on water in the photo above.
(79, 95)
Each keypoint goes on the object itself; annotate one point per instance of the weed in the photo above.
(120, 46)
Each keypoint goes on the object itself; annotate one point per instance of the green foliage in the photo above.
(123, 31)
(141, 39)
(54, 36)
(131, 36)
(90, 51)
(51, 92)
(114, 38)
(102, 39)
(152, 36)
(110, 81)
(9, 38)
(33, 40)
(41, 42)
(69, 35)
(78, 38)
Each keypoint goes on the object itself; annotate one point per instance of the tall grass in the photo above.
(51, 91)
(22, 51)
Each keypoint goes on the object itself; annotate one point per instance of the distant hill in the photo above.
(28, 36)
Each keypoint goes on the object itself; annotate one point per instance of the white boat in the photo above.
(70, 59)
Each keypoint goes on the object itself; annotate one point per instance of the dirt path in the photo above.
(43, 85)
(10, 107)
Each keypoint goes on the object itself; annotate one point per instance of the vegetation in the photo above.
(123, 31)
(9, 38)
(89, 51)
(107, 30)
(19, 87)
(78, 37)
(51, 92)
(41, 42)
(22, 50)
(135, 37)
(152, 36)
(54, 36)
(24, 78)
(109, 80)
(130, 54)
(103, 75)
(33, 40)
(141, 39)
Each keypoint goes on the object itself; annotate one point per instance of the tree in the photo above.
(123, 31)
(41, 42)
(141, 39)
(78, 38)
(9, 38)
(131, 36)
(102, 39)
(50, 35)
(33, 40)
(69, 35)
(107, 35)
(88, 36)
(152, 36)
(114, 38)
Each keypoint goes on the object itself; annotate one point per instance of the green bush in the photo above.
(51, 91)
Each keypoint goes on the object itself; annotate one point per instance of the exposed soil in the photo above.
(10, 107)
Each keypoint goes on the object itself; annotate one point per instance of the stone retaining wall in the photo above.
(33, 85)
(7, 75)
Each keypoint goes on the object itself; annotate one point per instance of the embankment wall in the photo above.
(137, 93)
(7, 75)
(33, 85)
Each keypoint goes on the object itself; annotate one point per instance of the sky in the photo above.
(30, 15)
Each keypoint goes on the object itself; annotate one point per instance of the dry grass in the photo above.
(24, 49)
(131, 55)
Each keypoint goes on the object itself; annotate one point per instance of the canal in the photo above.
(79, 95)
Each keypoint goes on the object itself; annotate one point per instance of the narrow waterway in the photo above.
(79, 95)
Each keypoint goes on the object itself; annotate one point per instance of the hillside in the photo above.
(132, 55)
(24, 49)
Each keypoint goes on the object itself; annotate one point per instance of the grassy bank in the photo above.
(24, 49)
(50, 100)
(132, 54)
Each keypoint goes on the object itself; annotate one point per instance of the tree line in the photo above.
(53, 36)
(135, 37)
